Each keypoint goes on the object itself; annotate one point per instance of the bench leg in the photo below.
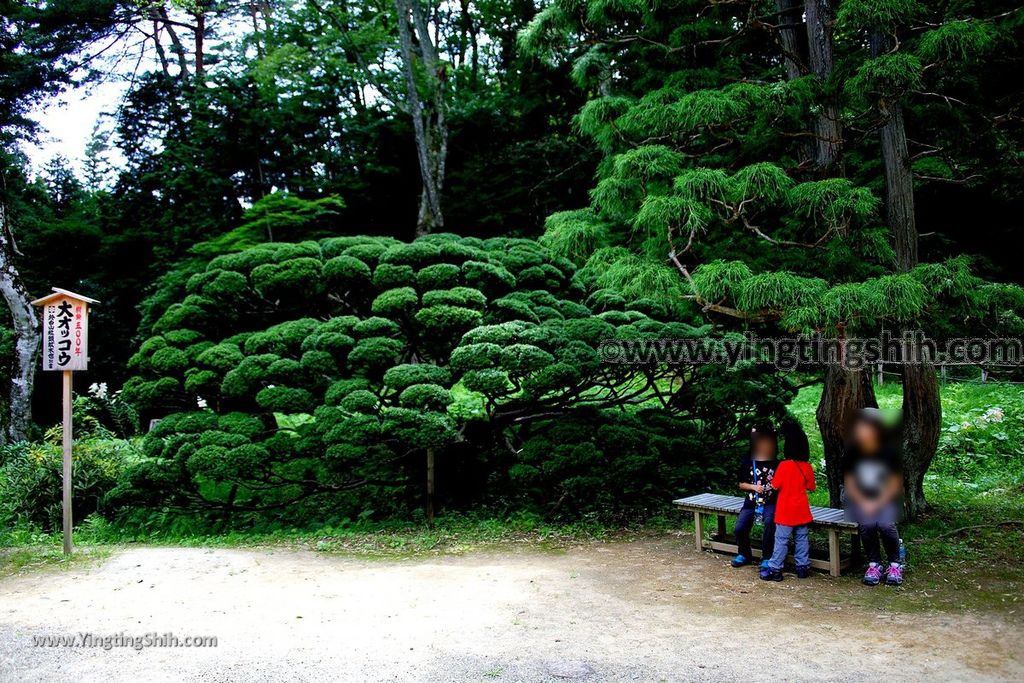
(721, 526)
(834, 566)
(698, 531)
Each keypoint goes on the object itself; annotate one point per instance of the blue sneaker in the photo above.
(803, 572)
(770, 574)
(740, 561)
(764, 564)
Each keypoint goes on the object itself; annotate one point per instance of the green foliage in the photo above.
(880, 15)
(574, 235)
(720, 280)
(31, 479)
(888, 77)
(982, 431)
(277, 216)
(763, 182)
(638, 278)
(981, 434)
(777, 291)
(661, 217)
(835, 202)
(482, 343)
(961, 41)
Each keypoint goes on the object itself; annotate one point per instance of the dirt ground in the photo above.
(646, 610)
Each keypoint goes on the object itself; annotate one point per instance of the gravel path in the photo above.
(648, 610)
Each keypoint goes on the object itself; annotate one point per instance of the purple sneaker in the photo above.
(873, 576)
(769, 574)
(894, 575)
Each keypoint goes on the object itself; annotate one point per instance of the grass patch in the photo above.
(26, 559)
(975, 482)
(451, 534)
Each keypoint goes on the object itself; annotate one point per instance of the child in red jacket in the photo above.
(793, 479)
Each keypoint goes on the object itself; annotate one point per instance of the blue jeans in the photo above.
(801, 550)
(742, 530)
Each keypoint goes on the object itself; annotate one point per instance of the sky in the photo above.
(67, 122)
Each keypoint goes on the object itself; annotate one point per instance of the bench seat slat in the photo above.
(731, 505)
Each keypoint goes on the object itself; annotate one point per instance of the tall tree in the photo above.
(39, 43)
(845, 390)
(424, 77)
(700, 136)
(26, 342)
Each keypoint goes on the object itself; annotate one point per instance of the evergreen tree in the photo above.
(349, 369)
(705, 125)
(38, 45)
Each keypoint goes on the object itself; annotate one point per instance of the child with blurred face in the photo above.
(755, 480)
(794, 477)
(872, 485)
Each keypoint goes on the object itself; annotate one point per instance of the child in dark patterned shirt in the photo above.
(755, 480)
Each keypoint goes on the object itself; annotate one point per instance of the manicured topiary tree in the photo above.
(348, 366)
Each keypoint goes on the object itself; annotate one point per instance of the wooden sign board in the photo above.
(65, 330)
(66, 348)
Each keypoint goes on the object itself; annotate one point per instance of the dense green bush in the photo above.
(324, 371)
(31, 479)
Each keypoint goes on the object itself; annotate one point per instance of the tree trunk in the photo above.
(430, 488)
(428, 114)
(788, 15)
(200, 44)
(26, 335)
(922, 407)
(899, 187)
(176, 44)
(828, 131)
(844, 393)
(160, 52)
(922, 423)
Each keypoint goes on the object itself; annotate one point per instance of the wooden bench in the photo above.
(830, 519)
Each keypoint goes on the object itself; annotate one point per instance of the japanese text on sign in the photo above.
(65, 334)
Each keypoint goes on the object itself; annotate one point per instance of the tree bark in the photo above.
(828, 131)
(922, 424)
(845, 392)
(200, 44)
(428, 113)
(160, 52)
(430, 488)
(899, 186)
(178, 47)
(788, 14)
(922, 407)
(26, 334)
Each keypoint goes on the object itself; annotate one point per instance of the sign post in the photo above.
(66, 349)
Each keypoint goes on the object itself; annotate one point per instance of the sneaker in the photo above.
(803, 572)
(769, 574)
(873, 576)
(740, 560)
(894, 575)
(764, 564)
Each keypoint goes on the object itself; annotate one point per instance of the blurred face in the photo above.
(764, 449)
(866, 436)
